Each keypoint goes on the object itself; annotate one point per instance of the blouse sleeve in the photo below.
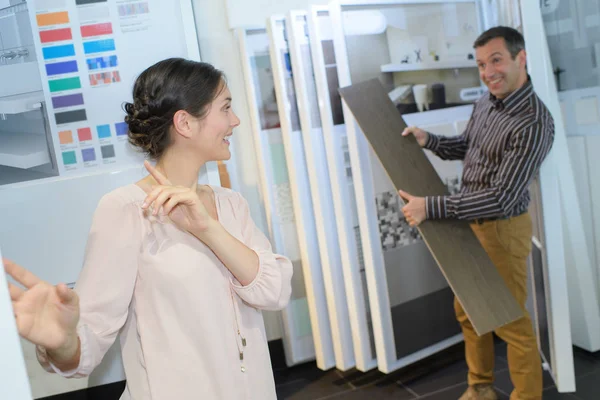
(271, 288)
(106, 282)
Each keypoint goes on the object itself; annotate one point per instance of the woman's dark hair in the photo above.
(163, 89)
(512, 37)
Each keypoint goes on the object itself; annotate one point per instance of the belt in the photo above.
(479, 221)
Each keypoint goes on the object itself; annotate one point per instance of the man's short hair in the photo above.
(512, 37)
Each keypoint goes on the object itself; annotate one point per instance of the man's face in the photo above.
(498, 70)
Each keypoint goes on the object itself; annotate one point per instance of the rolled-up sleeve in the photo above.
(271, 288)
(106, 283)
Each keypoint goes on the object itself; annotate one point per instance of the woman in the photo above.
(179, 270)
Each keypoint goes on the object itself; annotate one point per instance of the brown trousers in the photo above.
(508, 243)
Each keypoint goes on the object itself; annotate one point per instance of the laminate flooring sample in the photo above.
(468, 269)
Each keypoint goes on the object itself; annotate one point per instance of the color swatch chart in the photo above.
(66, 36)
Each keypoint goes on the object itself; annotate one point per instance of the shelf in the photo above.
(428, 66)
(23, 150)
(21, 103)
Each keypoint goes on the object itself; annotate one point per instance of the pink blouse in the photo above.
(176, 307)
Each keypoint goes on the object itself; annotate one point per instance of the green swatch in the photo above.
(59, 85)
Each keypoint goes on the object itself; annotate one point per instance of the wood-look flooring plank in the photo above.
(468, 269)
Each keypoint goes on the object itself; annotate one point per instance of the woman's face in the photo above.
(212, 133)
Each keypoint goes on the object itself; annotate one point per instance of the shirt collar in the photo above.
(513, 101)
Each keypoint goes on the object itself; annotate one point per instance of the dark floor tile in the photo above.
(584, 365)
(359, 379)
(308, 371)
(383, 390)
(593, 356)
(504, 383)
(500, 349)
(552, 394)
(451, 393)
(437, 378)
(588, 387)
(502, 395)
(326, 384)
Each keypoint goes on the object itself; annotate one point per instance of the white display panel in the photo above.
(275, 187)
(301, 191)
(401, 274)
(342, 186)
(320, 187)
(13, 375)
(566, 255)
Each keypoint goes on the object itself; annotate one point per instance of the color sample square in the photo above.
(104, 78)
(84, 2)
(70, 100)
(59, 85)
(103, 131)
(99, 46)
(84, 134)
(101, 62)
(69, 158)
(121, 128)
(59, 68)
(45, 5)
(55, 18)
(68, 117)
(55, 35)
(92, 14)
(96, 30)
(127, 10)
(108, 151)
(88, 154)
(65, 50)
(65, 137)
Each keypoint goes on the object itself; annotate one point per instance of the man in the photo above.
(507, 138)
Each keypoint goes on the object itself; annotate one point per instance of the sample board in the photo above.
(302, 204)
(320, 187)
(275, 188)
(465, 264)
(342, 186)
(89, 53)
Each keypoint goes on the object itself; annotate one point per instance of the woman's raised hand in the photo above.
(46, 315)
(180, 203)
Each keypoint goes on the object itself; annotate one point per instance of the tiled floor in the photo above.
(441, 377)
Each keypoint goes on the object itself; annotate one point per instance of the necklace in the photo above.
(239, 334)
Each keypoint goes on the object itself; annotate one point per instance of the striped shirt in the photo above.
(503, 147)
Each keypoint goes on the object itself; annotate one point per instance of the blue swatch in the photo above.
(121, 128)
(61, 68)
(99, 46)
(103, 131)
(101, 62)
(67, 50)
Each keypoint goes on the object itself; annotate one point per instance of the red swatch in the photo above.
(56, 35)
(84, 134)
(96, 30)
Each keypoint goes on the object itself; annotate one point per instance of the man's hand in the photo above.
(414, 209)
(418, 133)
